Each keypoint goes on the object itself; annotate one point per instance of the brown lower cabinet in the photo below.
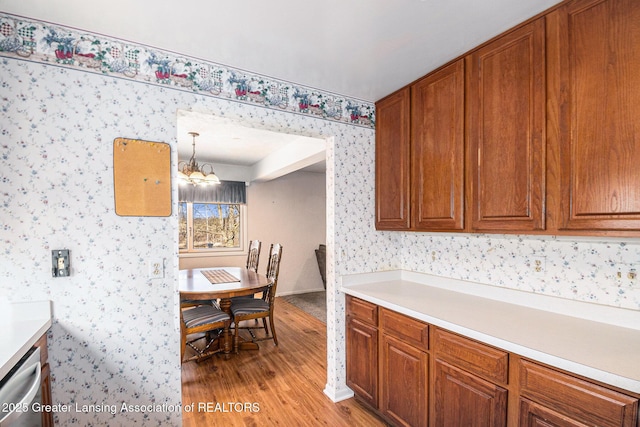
(415, 374)
(470, 382)
(464, 399)
(404, 369)
(45, 382)
(564, 400)
(362, 366)
(362, 345)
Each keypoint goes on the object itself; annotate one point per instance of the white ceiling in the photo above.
(359, 48)
(363, 49)
(240, 152)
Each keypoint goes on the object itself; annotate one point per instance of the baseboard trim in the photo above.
(338, 395)
(306, 291)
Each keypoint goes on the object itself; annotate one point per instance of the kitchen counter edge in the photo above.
(591, 340)
(21, 326)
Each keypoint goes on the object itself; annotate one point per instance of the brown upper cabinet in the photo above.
(392, 162)
(505, 102)
(594, 98)
(542, 136)
(437, 150)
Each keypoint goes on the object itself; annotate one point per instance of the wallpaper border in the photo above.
(47, 43)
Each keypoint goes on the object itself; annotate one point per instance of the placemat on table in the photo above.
(219, 276)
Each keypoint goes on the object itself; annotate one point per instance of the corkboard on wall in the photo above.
(142, 177)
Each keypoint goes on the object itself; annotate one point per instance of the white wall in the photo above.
(290, 210)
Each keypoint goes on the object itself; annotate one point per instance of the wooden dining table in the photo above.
(194, 285)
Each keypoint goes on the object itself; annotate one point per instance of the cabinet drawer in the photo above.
(410, 330)
(472, 356)
(581, 400)
(362, 310)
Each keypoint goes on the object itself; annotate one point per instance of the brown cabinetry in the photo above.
(550, 132)
(404, 369)
(393, 162)
(437, 150)
(550, 397)
(45, 382)
(422, 375)
(362, 349)
(464, 399)
(505, 101)
(470, 381)
(593, 96)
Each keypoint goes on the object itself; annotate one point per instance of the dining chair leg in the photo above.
(183, 346)
(235, 337)
(273, 330)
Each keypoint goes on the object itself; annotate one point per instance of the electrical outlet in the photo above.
(538, 265)
(626, 274)
(156, 268)
(344, 255)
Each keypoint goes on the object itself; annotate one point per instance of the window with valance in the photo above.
(212, 218)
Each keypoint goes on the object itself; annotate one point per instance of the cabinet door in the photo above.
(594, 91)
(362, 360)
(575, 398)
(462, 399)
(533, 415)
(392, 162)
(506, 132)
(437, 150)
(403, 382)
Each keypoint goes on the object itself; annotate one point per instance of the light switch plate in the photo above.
(156, 268)
(60, 265)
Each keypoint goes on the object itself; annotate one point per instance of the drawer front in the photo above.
(472, 356)
(581, 400)
(362, 310)
(405, 328)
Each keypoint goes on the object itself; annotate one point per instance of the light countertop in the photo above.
(595, 341)
(21, 326)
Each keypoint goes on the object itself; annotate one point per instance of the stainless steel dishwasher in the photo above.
(20, 393)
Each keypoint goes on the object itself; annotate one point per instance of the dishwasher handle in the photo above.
(24, 403)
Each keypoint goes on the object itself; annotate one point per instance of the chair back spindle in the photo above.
(273, 269)
(253, 256)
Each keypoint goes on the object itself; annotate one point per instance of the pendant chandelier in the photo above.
(191, 173)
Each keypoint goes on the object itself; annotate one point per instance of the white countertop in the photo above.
(21, 326)
(598, 342)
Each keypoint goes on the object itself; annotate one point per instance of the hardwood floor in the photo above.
(274, 386)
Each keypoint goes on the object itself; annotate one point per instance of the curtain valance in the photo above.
(225, 192)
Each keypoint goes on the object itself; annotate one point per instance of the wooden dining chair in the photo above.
(253, 256)
(210, 323)
(259, 308)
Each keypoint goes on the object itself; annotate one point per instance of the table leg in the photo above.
(227, 339)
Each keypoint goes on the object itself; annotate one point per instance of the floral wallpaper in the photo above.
(115, 336)
(71, 48)
(579, 269)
